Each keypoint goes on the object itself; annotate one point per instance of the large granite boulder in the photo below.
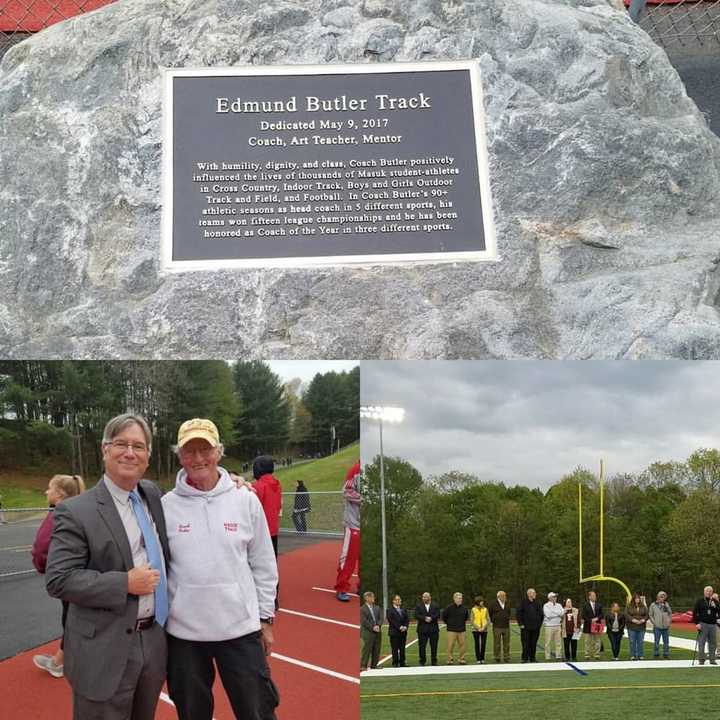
(605, 179)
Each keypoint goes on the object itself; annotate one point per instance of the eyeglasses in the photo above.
(124, 446)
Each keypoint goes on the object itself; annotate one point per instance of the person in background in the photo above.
(636, 617)
(59, 488)
(301, 507)
(480, 622)
(706, 616)
(660, 614)
(552, 620)
(615, 621)
(427, 614)
(370, 622)
(499, 612)
(592, 615)
(570, 625)
(350, 552)
(269, 492)
(455, 617)
(717, 632)
(398, 622)
(530, 618)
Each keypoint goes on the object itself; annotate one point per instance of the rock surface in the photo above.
(605, 181)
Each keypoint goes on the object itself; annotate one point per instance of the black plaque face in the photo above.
(296, 166)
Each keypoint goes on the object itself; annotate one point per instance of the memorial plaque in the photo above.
(323, 165)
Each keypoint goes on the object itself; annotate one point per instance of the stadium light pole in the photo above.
(381, 414)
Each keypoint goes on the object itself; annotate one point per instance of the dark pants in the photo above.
(274, 540)
(397, 645)
(615, 640)
(570, 648)
(529, 639)
(300, 521)
(480, 640)
(243, 670)
(139, 691)
(63, 619)
(422, 643)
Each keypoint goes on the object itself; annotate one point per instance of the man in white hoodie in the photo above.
(552, 619)
(221, 585)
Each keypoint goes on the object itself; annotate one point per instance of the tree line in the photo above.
(54, 412)
(456, 532)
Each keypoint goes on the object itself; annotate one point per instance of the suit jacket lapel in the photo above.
(108, 512)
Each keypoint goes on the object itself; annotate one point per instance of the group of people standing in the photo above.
(563, 624)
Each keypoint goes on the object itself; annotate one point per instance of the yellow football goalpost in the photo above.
(601, 575)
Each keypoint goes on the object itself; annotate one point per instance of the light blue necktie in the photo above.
(152, 547)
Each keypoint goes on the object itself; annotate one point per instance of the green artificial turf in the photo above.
(671, 694)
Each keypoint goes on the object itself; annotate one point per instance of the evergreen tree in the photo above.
(263, 422)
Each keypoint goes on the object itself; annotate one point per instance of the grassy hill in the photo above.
(327, 473)
(27, 489)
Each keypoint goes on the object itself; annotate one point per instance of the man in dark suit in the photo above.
(398, 621)
(530, 619)
(107, 559)
(427, 614)
(370, 622)
(592, 610)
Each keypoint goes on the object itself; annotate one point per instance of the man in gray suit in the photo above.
(107, 558)
(370, 622)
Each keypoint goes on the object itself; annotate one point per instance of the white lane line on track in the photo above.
(166, 698)
(316, 668)
(16, 548)
(18, 572)
(334, 592)
(317, 617)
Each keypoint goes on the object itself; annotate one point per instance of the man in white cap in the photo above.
(221, 584)
(552, 620)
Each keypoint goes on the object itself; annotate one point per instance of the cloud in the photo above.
(530, 422)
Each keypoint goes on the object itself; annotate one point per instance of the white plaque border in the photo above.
(478, 105)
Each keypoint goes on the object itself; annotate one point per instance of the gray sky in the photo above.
(530, 422)
(306, 369)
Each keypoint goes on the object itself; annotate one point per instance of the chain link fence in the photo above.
(21, 18)
(677, 24)
(668, 22)
(313, 514)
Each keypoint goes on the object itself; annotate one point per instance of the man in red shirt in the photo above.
(267, 488)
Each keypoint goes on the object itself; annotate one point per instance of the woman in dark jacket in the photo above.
(301, 507)
(615, 621)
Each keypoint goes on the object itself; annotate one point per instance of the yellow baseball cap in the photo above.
(198, 428)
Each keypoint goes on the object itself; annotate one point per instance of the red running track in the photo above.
(305, 693)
